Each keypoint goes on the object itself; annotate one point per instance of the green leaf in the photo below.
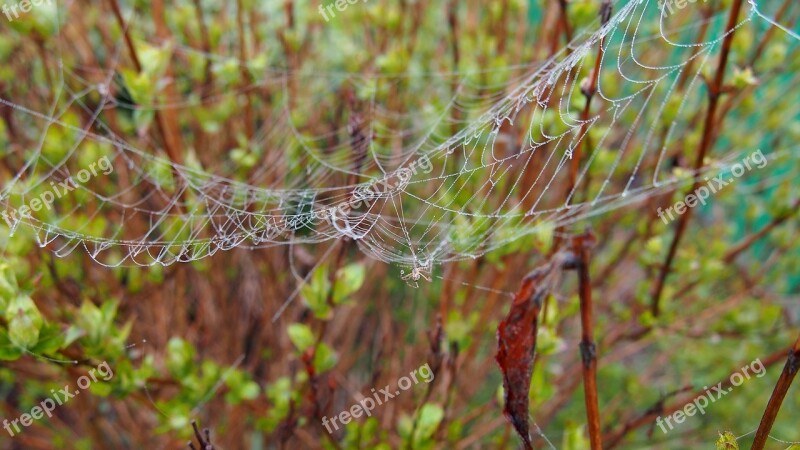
(249, 390)
(280, 395)
(349, 279)
(241, 388)
(180, 355)
(8, 350)
(548, 341)
(90, 319)
(138, 84)
(301, 336)
(243, 158)
(155, 60)
(50, 339)
(101, 389)
(324, 358)
(430, 416)
(574, 437)
(73, 334)
(460, 329)
(315, 294)
(161, 172)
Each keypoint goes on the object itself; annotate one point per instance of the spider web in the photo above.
(483, 159)
(489, 152)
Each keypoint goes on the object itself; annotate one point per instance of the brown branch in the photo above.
(588, 89)
(163, 123)
(243, 58)
(745, 243)
(170, 128)
(124, 28)
(581, 246)
(781, 388)
(714, 92)
(565, 21)
(453, 27)
(204, 440)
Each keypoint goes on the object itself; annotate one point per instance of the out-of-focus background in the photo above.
(257, 215)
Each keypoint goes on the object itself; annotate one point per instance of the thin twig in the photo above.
(769, 33)
(714, 92)
(745, 243)
(778, 394)
(245, 74)
(588, 89)
(170, 146)
(204, 440)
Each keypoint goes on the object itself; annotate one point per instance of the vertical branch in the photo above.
(360, 142)
(565, 20)
(124, 28)
(171, 140)
(169, 120)
(588, 89)
(560, 27)
(453, 27)
(248, 110)
(203, 440)
(714, 92)
(291, 54)
(778, 394)
(206, 88)
(581, 246)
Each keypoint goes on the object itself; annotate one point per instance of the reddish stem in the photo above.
(778, 394)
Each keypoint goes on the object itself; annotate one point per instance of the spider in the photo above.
(419, 271)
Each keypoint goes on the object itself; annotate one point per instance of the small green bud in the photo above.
(24, 322)
(744, 78)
